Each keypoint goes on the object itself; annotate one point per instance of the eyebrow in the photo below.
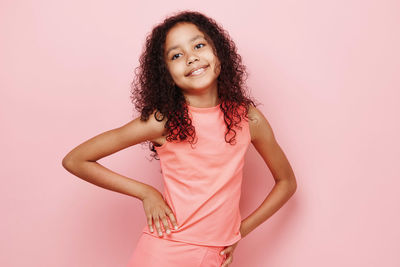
(191, 40)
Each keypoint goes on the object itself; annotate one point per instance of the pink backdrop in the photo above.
(327, 73)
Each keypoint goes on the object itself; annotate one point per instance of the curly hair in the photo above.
(153, 89)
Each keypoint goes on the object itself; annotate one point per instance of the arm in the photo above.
(263, 139)
(81, 161)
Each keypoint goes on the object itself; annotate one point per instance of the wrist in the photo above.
(244, 229)
(145, 191)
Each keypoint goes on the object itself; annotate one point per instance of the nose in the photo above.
(192, 58)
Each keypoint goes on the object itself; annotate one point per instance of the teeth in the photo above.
(197, 71)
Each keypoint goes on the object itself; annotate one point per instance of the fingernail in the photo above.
(168, 231)
(176, 227)
(222, 253)
(159, 233)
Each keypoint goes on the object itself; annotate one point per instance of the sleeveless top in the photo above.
(202, 182)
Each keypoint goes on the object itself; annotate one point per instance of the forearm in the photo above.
(97, 174)
(279, 195)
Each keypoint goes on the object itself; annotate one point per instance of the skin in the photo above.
(263, 139)
(200, 91)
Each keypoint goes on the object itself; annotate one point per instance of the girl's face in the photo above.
(187, 49)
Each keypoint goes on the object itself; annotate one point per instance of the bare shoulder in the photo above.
(259, 125)
(148, 130)
(263, 139)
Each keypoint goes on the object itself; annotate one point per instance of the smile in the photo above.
(198, 72)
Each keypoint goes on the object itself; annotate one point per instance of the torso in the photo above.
(159, 141)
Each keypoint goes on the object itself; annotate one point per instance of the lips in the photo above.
(204, 66)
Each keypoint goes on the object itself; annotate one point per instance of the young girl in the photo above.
(196, 117)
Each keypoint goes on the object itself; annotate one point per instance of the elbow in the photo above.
(293, 184)
(294, 188)
(67, 163)
(69, 160)
(290, 184)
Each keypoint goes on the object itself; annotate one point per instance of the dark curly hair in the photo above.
(153, 89)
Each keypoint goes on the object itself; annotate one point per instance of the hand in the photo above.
(156, 208)
(228, 251)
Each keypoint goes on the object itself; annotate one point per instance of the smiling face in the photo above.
(188, 49)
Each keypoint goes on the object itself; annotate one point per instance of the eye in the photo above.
(200, 44)
(173, 57)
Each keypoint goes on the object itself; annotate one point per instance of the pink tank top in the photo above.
(202, 185)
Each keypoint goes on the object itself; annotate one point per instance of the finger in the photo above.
(172, 219)
(227, 261)
(225, 250)
(150, 223)
(165, 223)
(158, 226)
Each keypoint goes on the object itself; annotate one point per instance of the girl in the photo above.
(196, 117)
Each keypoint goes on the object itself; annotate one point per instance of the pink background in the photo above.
(327, 73)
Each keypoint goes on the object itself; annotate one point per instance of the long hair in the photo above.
(153, 88)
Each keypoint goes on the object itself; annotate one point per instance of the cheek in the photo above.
(214, 62)
(174, 70)
(177, 71)
(217, 66)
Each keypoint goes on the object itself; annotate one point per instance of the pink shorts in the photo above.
(154, 251)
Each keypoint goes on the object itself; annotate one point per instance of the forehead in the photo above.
(180, 34)
(182, 28)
